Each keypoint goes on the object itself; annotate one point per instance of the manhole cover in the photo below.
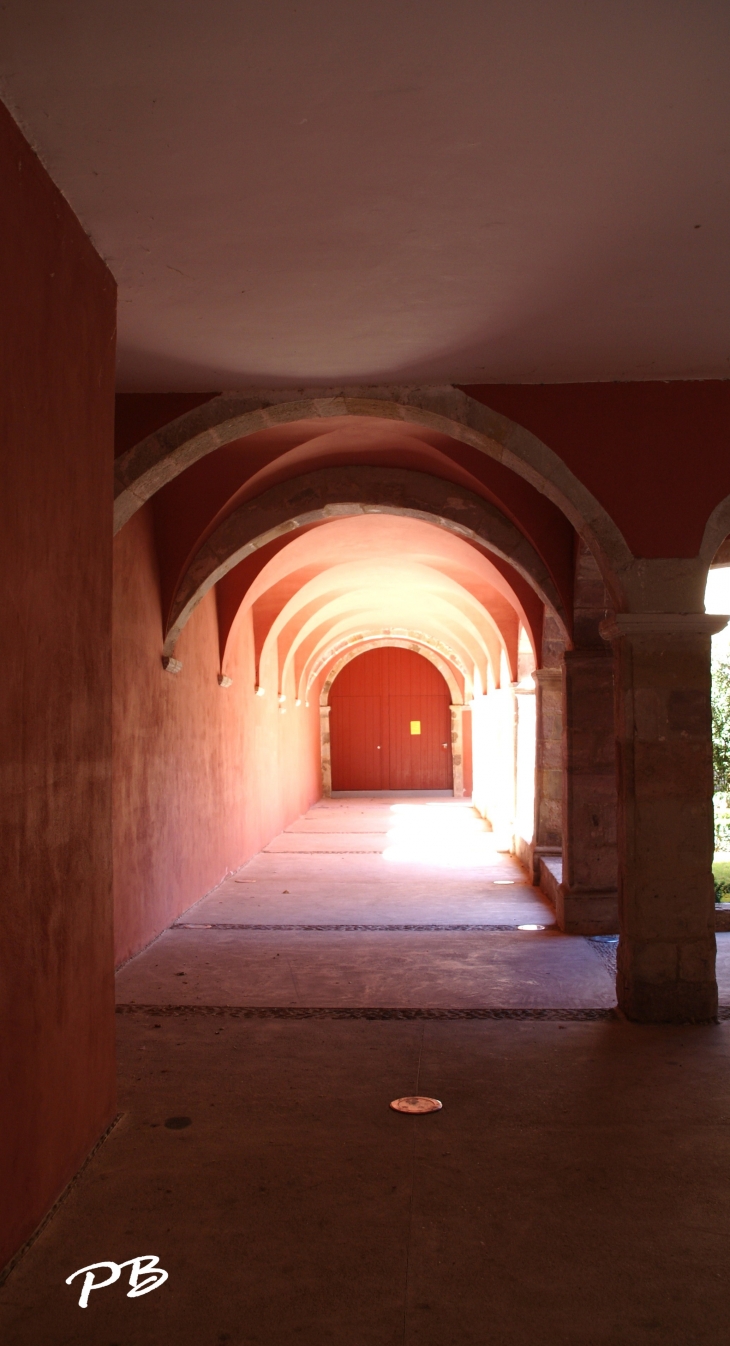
(416, 1104)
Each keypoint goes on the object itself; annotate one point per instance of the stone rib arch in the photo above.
(149, 465)
(342, 492)
(382, 634)
(463, 649)
(717, 529)
(459, 659)
(375, 643)
(312, 648)
(323, 633)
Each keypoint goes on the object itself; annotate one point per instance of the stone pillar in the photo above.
(666, 957)
(326, 755)
(457, 749)
(525, 739)
(547, 835)
(587, 899)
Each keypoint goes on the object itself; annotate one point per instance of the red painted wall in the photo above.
(137, 415)
(56, 428)
(204, 776)
(656, 455)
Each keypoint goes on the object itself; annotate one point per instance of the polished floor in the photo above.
(573, 1189)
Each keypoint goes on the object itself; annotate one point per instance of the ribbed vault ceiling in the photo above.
(372, 576)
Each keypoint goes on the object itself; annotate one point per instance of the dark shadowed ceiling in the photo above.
(292, 191)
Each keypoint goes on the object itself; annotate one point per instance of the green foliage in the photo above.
(721, 876)
(721, 725)
(721, 766)
(720, 804)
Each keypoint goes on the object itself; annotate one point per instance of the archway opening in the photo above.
(290, 560)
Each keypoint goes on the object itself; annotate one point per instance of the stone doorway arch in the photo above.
(456, 707)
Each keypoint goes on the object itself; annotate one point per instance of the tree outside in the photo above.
(721, 769)
(717, 600)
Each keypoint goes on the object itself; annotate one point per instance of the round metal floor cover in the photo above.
(416, 1104)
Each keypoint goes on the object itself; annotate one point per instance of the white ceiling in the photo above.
(304, 191)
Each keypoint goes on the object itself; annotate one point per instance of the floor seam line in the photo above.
(566, 1014)
(432, 928)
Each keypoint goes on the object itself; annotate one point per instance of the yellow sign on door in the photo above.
(415, 726)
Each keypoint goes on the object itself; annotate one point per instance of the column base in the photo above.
(679, 1003)
(651, 988)
(523, 851)
(536, 853)
(587, 911)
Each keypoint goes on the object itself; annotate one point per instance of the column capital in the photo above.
(668, 625)
(543, 676)
(324, 710)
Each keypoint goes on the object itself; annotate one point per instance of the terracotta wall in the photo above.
(56, 432)
(656, 455)
(204, 776)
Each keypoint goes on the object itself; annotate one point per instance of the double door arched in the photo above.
(390, 724)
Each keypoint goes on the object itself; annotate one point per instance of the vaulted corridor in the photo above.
(365, 466)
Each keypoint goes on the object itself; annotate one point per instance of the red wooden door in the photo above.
(377, 702)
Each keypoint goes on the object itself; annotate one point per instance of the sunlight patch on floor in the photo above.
(444, 836)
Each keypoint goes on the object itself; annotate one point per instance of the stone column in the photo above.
(587, 899)
(525, 740)
(457, 749)
(666, 958)
(548, 834)
(326, 755)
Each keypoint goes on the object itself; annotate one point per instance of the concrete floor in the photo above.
(573, 1189)
(372, 903)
